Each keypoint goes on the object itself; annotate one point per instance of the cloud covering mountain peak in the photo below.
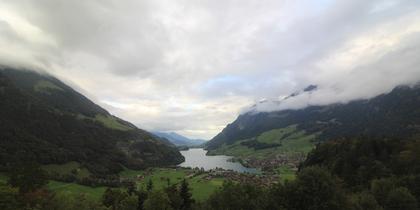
(190, 67)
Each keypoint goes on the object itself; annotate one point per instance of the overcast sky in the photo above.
(192, 66)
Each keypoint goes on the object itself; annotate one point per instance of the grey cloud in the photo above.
(398, 67)
(163, 64)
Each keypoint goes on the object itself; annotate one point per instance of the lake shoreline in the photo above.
(198, 158)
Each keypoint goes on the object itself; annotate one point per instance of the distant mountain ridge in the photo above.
(47, 121)
(179, 140)
(393, 115)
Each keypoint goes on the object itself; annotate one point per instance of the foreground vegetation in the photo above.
(162, 177)
(354, 174)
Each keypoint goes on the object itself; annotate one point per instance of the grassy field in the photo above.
(159, 177)
(200, 188)
(286, 173)
(94, 193)
(68, 168)
(107, 121)
(111, 122)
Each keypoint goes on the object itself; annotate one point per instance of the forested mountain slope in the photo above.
(45, 120)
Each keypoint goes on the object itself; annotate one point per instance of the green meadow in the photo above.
(289, 141)
(94, 193)
(68, 168)
(200, 187)
(286, 173)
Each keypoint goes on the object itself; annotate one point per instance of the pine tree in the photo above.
(141, 198)
(149, 186)
(185, 195)
(28, 177)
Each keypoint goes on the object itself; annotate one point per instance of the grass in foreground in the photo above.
(94, 193)
(201, 189)
(286, 173)
(68, 168)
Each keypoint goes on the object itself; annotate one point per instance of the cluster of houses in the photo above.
(272, 162)
(261, 179)
(257, 179)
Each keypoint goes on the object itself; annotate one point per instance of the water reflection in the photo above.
(198, 158)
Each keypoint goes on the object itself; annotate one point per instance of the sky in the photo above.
(192, 67)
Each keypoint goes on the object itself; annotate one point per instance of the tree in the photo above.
(401, 198)
(237, 196)
(157, 200)
(141, 198)
(315, 189)
(28, 177)
(174, 197)
(113, 197)
(366, 201)
(149, 186)
(185, 195)
(8, 198)
(64, 201)
(381, 188)
(128, 203)
(131, 188)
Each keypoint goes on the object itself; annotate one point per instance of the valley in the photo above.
(58, 149)
(204, 179)
(209, 105)
(201, 188)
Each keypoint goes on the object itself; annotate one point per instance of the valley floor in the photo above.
(202, 183)
(201, 186)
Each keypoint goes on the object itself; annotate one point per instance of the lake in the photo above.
(197, 158)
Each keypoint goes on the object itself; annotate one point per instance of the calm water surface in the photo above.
(198, 158)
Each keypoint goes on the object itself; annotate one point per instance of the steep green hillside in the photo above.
(287, 140)
(272, 149)
(45, 120)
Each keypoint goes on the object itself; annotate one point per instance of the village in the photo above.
(260, 179)
(269, 164)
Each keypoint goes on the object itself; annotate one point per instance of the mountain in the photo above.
(179, 140)
(392, 115)
(45, 120)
